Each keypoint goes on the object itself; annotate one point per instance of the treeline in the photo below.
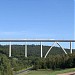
(51, 62)
(32, 50)
(55, 62)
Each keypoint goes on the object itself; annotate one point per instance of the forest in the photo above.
(56, 59)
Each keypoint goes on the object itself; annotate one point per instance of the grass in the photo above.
(62, 71)
(36, 73)
(47, 72)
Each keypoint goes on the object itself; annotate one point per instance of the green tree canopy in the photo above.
(5, 66)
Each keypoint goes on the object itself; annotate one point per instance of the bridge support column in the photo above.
(71, 47)
(10, 50)
(52, 47)
(26, 49)
(49, 49)
(41, 49)
(62, 48)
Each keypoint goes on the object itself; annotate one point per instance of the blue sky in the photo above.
(49, 19)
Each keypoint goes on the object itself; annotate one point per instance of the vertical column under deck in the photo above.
(26, 49)
(71, 47)
(10, 50)
(41, 49)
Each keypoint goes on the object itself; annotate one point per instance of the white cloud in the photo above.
(12, 33)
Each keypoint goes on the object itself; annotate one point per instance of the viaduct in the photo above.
(38, 40)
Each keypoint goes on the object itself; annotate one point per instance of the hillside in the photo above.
(32, 50)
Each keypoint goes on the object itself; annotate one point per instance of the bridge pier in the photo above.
(26, 49)
(62, 48)
(52, 47)
(41, 49)
(49, 49)
(71, 47)
(10, 50)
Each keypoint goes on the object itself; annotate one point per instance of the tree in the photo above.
(5, 66)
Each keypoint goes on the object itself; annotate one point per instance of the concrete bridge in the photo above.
(38, 40)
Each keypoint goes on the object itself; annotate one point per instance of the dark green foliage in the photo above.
(56, 62)
(20, 63)
(32, 50)
(5, 66)
(56, 59)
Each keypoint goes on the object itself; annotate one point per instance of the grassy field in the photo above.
(47, 72)
(36, 73)
(62, 71)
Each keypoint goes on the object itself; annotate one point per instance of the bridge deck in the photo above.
(34, 40)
